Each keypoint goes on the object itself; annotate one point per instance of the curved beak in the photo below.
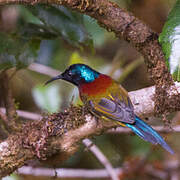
(54, 78)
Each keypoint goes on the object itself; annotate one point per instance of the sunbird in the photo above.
(109, 100)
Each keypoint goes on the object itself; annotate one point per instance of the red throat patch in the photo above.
(98, 86)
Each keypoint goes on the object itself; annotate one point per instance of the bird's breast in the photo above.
(98, 87)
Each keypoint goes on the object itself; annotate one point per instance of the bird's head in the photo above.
(77, 74)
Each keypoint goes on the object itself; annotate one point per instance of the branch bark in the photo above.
(10, 121)
(110, 16)
(85, 173)
(102, 158)
(56, 133)
(143, 99)
(67, 173)
(120, 130)
(60, 133)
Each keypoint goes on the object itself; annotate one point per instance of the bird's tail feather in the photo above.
(147, 133)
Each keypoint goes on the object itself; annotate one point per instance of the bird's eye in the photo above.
(70, 73)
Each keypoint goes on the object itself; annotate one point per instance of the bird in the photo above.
(107, 99)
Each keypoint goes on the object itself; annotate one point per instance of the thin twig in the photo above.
(3, 128)
(42, 69)
(156, 173)
(161, 129)
(117, 62)
(26, 114)
(67, 173)
(130, 68)
(85, 173)
(3, 115)
(8, 99)
(174, 175)
(100, 156)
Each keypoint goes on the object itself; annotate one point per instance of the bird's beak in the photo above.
(54, 78)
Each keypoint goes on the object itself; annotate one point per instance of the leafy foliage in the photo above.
(36, 23)
(17, 51)
(62, 22)
(170, 41)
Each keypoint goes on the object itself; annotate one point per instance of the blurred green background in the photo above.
(58, 37)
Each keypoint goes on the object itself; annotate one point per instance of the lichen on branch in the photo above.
(57, 133)
(60, 133)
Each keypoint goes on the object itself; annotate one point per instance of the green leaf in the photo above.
(16, 51)
(170, 41)
(63, 22)
(47, 97)
(97, 33)
(37, 31)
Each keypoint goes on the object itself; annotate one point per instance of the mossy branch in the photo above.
(53, 134)
(60, 133)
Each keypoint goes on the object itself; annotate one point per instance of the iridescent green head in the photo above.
(77, 74)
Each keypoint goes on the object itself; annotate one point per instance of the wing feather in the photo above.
(115, 109)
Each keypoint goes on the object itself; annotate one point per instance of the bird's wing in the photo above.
(114, 108)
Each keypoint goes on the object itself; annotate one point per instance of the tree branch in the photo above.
(110, 16)
(143, 101)
(120, 130)
(60, 133)
(160, 129)
(100, 156)
(42, 69)
(56, 133)
(25, 114)
(67, 173)
(3, 127)
(84, 173)
(10, 121)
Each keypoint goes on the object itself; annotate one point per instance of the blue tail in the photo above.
(147, 133)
